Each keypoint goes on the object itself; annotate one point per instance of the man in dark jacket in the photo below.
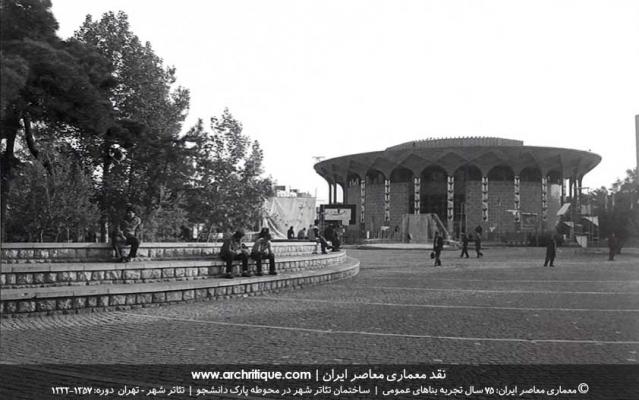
(438, 246)
(613, 243)
(464, 242)
(234, 249)
(551, 251)
(478, 244)
(127, 234)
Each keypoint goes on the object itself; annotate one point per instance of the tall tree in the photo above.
(52, 204)
(45, 81)
(137, 159)
(228, 190)
(618, 207)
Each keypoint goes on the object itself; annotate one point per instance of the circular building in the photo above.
(458, 184)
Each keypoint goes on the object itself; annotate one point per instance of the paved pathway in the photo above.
(503, 308)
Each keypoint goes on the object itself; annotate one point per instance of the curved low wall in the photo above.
(180, 273)
(68, 274)
(11, 253)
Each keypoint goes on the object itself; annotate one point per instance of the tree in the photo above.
(228, 192)
(618, 207)
(45, 82)
(138, 161)
(52, 204)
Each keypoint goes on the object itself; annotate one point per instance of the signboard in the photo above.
(339, 212)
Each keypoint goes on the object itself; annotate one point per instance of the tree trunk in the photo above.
(7, 159)
(104, 206)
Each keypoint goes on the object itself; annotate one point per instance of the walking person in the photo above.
(478, 244)
(551, 252)
(262, 250)
(127, 234)
(438, 245)
(233, 249)
(613, 245)
(464, 241)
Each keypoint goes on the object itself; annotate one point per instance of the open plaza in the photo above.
(504, 308)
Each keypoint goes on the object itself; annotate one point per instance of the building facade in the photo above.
(498, 184)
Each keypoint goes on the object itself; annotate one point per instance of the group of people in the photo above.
(330, 240)
(233, 249)
(438, 246)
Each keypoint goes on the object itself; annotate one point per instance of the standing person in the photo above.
(127, 234)
(464, 241)
(551, 251)
(262, 250)
(234, 249)
(478, 244)
(613, 243)
(438, 245)
(301, 234)
(290, 234)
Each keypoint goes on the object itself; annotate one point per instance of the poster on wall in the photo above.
(339, 212)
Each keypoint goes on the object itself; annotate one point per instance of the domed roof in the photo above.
(456, 142)
(451, 153)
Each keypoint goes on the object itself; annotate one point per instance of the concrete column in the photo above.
(544, 199)
(387, 200)
(417, 192)
(517, 185)
(578, 195)
(362, 200)
(450, 203)
(334, 193)
(330, 193)
(484, 198)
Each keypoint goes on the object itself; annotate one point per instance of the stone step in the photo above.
(12, 253)
(96, 273)
(71, 299)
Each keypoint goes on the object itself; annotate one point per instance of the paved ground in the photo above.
(503, 308)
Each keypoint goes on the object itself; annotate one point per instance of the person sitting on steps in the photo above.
(321, 241)
(262, 250)
(233, 249)
(127, 234)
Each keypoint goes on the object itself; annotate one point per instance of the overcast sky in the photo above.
(330, 78)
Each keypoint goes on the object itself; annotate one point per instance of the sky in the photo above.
(335, 77)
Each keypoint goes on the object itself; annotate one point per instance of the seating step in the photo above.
(66, 299)
(65, 274)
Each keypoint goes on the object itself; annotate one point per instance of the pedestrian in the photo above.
(613, 243)
(127, 234)
(551, 251)
(438, 245)
(290, 234)
(301, 234)
(233, 249)
(478, 244)
(464, 241)
(262, 250)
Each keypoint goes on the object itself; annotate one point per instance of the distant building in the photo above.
(283, 191)
(498, 184)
